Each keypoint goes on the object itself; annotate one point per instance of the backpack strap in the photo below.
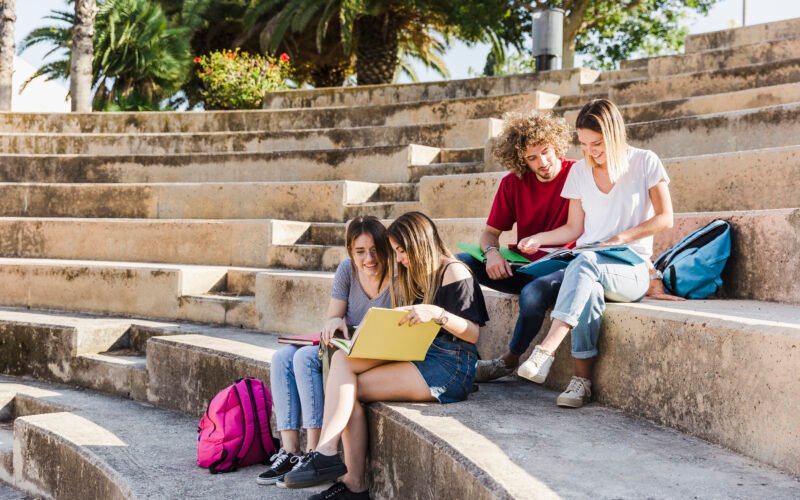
(263, 403)
(248, 410)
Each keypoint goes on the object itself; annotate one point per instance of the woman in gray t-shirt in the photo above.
(361, 282)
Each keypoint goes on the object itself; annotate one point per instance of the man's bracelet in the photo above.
(489, 248)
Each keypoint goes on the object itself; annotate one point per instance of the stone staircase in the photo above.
(151, 258)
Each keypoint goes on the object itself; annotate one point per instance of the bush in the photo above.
(238, 80)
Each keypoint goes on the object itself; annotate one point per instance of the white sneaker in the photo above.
(537, 366)
(578, 392)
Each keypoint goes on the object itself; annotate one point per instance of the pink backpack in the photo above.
(235, 431)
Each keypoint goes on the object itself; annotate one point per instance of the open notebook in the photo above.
(560, 258)
(380, 337)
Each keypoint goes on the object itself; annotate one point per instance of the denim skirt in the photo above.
(449, 369)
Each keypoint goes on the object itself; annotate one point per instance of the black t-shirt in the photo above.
(463, 298)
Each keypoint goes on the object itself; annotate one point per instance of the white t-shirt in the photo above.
(627, 204)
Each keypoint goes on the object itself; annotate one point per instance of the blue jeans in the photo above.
(589, 281)
(536, 296)
(296, 384)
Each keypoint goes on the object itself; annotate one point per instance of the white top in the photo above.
(627, 204)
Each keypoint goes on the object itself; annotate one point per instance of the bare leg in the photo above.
(558, 331)
(354, 441)
(312, 438)
(583, 367)
(290, 439)
(340, 397)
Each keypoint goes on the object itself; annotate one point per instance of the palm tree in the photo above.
(140, 57)
(80, 81)
(7, 20)
(377, 32)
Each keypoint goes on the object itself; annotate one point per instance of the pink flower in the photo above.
(196, 60)
(284, 57)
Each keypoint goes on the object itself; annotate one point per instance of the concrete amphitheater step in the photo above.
(454, 134)
(698, 184)
(310, 200)
(368, 115)
(687, 85)
(702, 105)
(725, 57)
(319, 165)
(716, 338)
(747, 35)
(105, 447)
(559, 82)
(123, 288)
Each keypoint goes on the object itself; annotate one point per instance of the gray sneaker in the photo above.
(578, 392)
(491, 369)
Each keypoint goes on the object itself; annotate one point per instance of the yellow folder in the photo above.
(380, 337)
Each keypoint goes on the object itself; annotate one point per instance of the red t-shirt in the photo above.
(534, 205)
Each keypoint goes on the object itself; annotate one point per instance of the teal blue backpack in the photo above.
(693, 267)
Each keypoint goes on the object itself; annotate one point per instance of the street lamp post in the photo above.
(548, 38)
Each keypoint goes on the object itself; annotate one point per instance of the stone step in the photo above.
(758, 128)
(727, 57)
(124, 288)
(229, 310)
(680, 86)
(318, 165)
(705, 368)
(382, 210)
(418, 172)
(698, 184)
(702, 105)
(124, 375)
(309, 257)
(748, 275)
(332, 200)
(465, 133)
(560, 82)
(368, 115)
(106, 447)
(746, 35)
(7, 461)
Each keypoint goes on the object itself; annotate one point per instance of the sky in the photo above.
(462, 61)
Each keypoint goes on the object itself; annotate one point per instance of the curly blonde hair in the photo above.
(529, 129)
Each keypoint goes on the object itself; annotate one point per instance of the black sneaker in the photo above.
(313, 469)
(340, 492)
(280, 463)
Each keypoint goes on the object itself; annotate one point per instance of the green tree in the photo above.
(379, 32)
(612, 30)
(140, 59)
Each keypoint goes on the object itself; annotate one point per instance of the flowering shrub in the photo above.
(238, 80)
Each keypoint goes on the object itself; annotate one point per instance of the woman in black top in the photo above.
(432, 285)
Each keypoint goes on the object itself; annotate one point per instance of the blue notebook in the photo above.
(560, 259)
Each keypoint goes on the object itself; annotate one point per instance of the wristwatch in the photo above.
(442, 319)
(657, 275)
(490, 247)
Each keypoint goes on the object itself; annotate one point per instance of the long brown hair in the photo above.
(367, 224)
(416, 234)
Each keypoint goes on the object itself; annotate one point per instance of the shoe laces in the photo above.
(279, 458)
(335, 490)
(575, 385)
(540, 356)
(296, 460)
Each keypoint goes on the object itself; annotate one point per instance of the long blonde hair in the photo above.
(603, 116)
(417, 235)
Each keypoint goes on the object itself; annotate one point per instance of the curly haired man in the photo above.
(532, 147)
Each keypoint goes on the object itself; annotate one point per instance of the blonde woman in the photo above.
(432, 285)
(617, 195)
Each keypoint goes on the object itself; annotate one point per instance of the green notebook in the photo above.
(476, 252)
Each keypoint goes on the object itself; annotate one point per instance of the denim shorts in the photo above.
(449, 369)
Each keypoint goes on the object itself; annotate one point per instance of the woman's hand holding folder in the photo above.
(330, 327)
(420, 313)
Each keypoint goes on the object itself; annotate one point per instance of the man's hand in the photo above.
(496, 266)
(656, 291)
(529, 245)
